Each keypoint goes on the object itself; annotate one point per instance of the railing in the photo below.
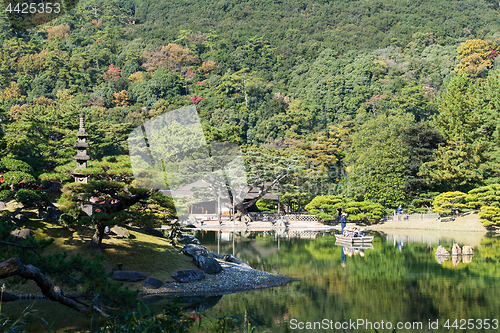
(268, 217)
(411, 217)
(302, 218)
(264, 217)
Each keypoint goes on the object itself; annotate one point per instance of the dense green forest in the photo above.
(368, 104)
(390, 102)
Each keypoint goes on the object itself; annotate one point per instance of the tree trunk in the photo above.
(14, 266)
(241, 211)
(96, 241)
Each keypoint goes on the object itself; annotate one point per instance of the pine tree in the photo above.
(459, 164)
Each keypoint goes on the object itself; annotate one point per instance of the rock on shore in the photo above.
(233, 278)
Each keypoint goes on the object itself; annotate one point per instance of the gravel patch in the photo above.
(233, 278)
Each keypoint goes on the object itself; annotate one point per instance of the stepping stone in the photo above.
(152, 283)
(128, 276)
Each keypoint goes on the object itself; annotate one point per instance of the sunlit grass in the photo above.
(153, 256)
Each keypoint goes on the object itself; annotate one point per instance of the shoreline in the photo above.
(466, 223)
(232, 279)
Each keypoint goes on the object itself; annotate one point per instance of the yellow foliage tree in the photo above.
(207, 66)
(12, 91)
(121, 98)
(64, 96)
(172, 56)
(476, 57)
(59, 31)
(136, 77)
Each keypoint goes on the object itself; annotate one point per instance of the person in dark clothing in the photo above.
(343, 221)
(342, 257)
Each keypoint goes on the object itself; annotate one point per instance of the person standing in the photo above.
(343, 221)
(400, 210)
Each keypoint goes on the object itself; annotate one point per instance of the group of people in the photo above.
(353, 232)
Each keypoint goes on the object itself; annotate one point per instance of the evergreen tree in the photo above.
(377, 160)
(460, 162)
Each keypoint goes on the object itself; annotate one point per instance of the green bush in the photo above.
(266, 205)
(16, 177)
(11, 164)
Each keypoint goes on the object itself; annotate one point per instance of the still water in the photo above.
(399, 280)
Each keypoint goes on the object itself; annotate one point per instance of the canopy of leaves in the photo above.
(487, 200)
(450, 202)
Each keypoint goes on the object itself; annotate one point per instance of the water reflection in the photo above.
(464, 254)
(398, 279)
(386, 284)
(352, 250)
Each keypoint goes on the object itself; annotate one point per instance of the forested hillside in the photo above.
(389, 101)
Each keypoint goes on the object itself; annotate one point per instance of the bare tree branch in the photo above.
(21, 246)
(14, 266)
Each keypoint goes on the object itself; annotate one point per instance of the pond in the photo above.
(398, 283)
(399, 280)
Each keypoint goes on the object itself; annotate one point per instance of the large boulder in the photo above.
(207, 264)
(441, 251)
(153, 232)
(120, 232)
(456, 251)
(152, 283)
(189, 275)
(216, 255)
(467, 250)
(22, 234)
(187, 239)
(194, 250)
(234, 260)
(128, 276)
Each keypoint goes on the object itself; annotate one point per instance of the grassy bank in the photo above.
(153, 256)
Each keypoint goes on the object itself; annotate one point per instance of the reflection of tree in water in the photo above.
(397, 286)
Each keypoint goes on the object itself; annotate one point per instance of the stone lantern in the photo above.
(81, 158)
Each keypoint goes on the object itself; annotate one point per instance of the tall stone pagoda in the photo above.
(81, 157)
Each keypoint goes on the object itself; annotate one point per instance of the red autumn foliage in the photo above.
(113, 73)
(196, 99)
